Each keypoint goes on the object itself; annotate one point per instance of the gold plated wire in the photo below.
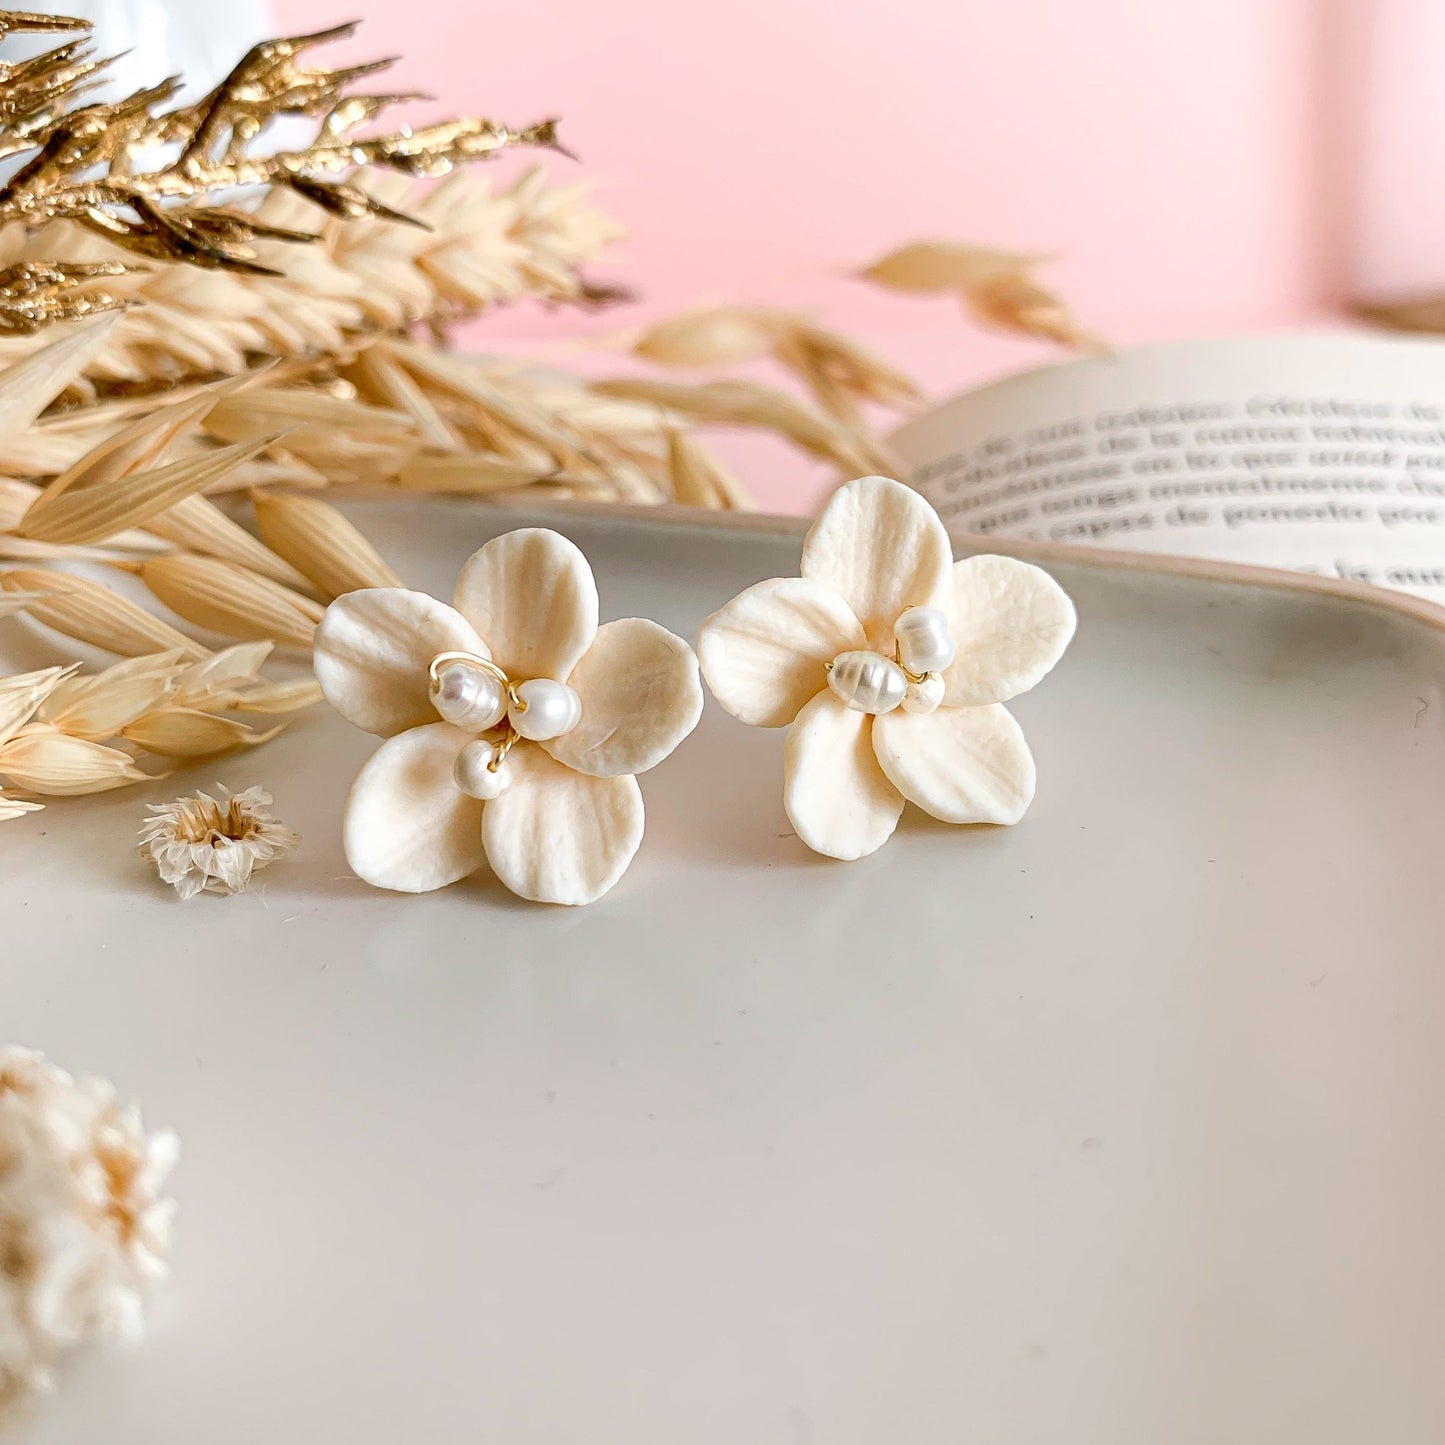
(485, 664)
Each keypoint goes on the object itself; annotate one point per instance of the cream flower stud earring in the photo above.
(514, 724)
(891, 662)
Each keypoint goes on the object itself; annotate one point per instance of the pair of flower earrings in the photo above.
(515, 725)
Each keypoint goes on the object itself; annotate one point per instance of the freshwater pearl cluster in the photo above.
(480, 773)
(475, 694)
(543, 709)
(468, 696)
(869, 682)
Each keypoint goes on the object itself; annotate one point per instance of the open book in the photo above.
(1322, 453)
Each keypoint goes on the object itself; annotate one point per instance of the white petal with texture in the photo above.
(1010, 622)
(531, 594)
(640, 697)
(373, 649)
(962, 764)
(836, 796)
(883, 547)
(764, 654)
(408, 826)
(556, 836)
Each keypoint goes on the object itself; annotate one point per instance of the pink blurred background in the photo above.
(1195, 168)
(1166, 152)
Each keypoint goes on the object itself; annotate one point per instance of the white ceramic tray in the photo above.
(1121, 1127)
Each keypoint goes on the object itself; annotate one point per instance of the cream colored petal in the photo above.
(883, 547)
(556, 836)
(764, 653)
(962, 764)
(530, 593)
(1010, 622)
(835, 794)
(373, 649)
(640, 697)
(408, 826)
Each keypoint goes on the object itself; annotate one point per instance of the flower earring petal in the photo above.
(881, 546)
(557, 836)
(408, 826)
(923, 651)
(961, 764)
(834, 791)
(641, 695)
(530, 593)
(544, 719)
(1015, 622)
(767, 652)
(372, 651)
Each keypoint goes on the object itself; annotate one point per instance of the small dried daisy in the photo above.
(214, 844)
(84, 1225)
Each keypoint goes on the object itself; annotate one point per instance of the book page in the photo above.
(1322, 453)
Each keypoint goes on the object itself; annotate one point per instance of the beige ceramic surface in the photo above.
(1122, 1127)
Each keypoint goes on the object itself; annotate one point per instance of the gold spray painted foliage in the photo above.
(100, 164)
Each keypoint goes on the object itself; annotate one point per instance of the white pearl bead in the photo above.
(474, 775)
(867, 681)
(923, 641)
(468, 697)
(924, 696)
(549, 709)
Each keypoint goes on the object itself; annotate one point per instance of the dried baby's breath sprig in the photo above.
(998, 287)
(86, 1224)
(214, 845)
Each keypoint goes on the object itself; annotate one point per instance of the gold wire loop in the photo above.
(501, 749)
(510, 737)
(469, 659)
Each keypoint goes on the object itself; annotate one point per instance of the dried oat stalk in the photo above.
(64, 734)
(998, 288)
(481, 247)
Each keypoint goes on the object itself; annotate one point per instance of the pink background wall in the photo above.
(1183, 161)
(1162, 150)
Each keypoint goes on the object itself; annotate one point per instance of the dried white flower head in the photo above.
(84, 1227)
(214, 844)
(519, 749)
(891, 662)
